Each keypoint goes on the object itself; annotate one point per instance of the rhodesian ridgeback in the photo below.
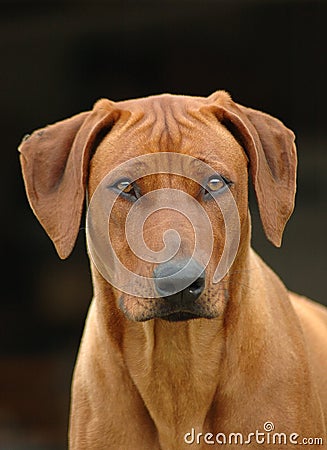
(202, 353)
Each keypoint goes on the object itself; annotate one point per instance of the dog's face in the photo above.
(168, 129)
(174, 163)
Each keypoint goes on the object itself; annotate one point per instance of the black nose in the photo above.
(184, 279)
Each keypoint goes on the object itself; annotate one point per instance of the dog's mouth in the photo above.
(142, 310)
(180, 316)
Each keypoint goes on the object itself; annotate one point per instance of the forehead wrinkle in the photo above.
(160, 128)
(165, 120)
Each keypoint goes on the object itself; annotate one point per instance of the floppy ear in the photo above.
(271, 150)
(54, 163)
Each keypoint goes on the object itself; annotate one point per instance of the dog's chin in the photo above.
(173, 317)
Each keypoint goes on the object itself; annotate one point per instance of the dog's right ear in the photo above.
(55, 163)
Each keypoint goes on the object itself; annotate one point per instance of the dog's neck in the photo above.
(165, 360)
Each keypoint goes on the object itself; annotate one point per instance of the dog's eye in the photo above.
(124, 186)
(127, 189)
(215, 185)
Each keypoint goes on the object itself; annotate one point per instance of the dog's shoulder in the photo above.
(312, 316)
(306, 307)
(313, 319)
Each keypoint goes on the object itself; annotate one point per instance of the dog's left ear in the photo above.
(271, 150)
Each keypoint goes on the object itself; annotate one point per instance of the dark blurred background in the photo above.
(57, 59)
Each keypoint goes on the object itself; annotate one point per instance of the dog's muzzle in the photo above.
(170, 279)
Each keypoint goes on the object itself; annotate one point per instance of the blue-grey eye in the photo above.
(125, 186)
(215, 185)
(127, 189)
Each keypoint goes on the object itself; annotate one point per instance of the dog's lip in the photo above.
(179, 316)
(163, 311)
(178, 313)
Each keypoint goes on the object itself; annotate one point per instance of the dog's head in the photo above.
(162, 163)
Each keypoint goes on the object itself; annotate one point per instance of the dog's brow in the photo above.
(141, 166)
(135, 168)
(198, 168)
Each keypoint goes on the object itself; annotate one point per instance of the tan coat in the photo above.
(257, 356)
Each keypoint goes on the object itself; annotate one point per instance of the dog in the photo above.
(205, 362)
